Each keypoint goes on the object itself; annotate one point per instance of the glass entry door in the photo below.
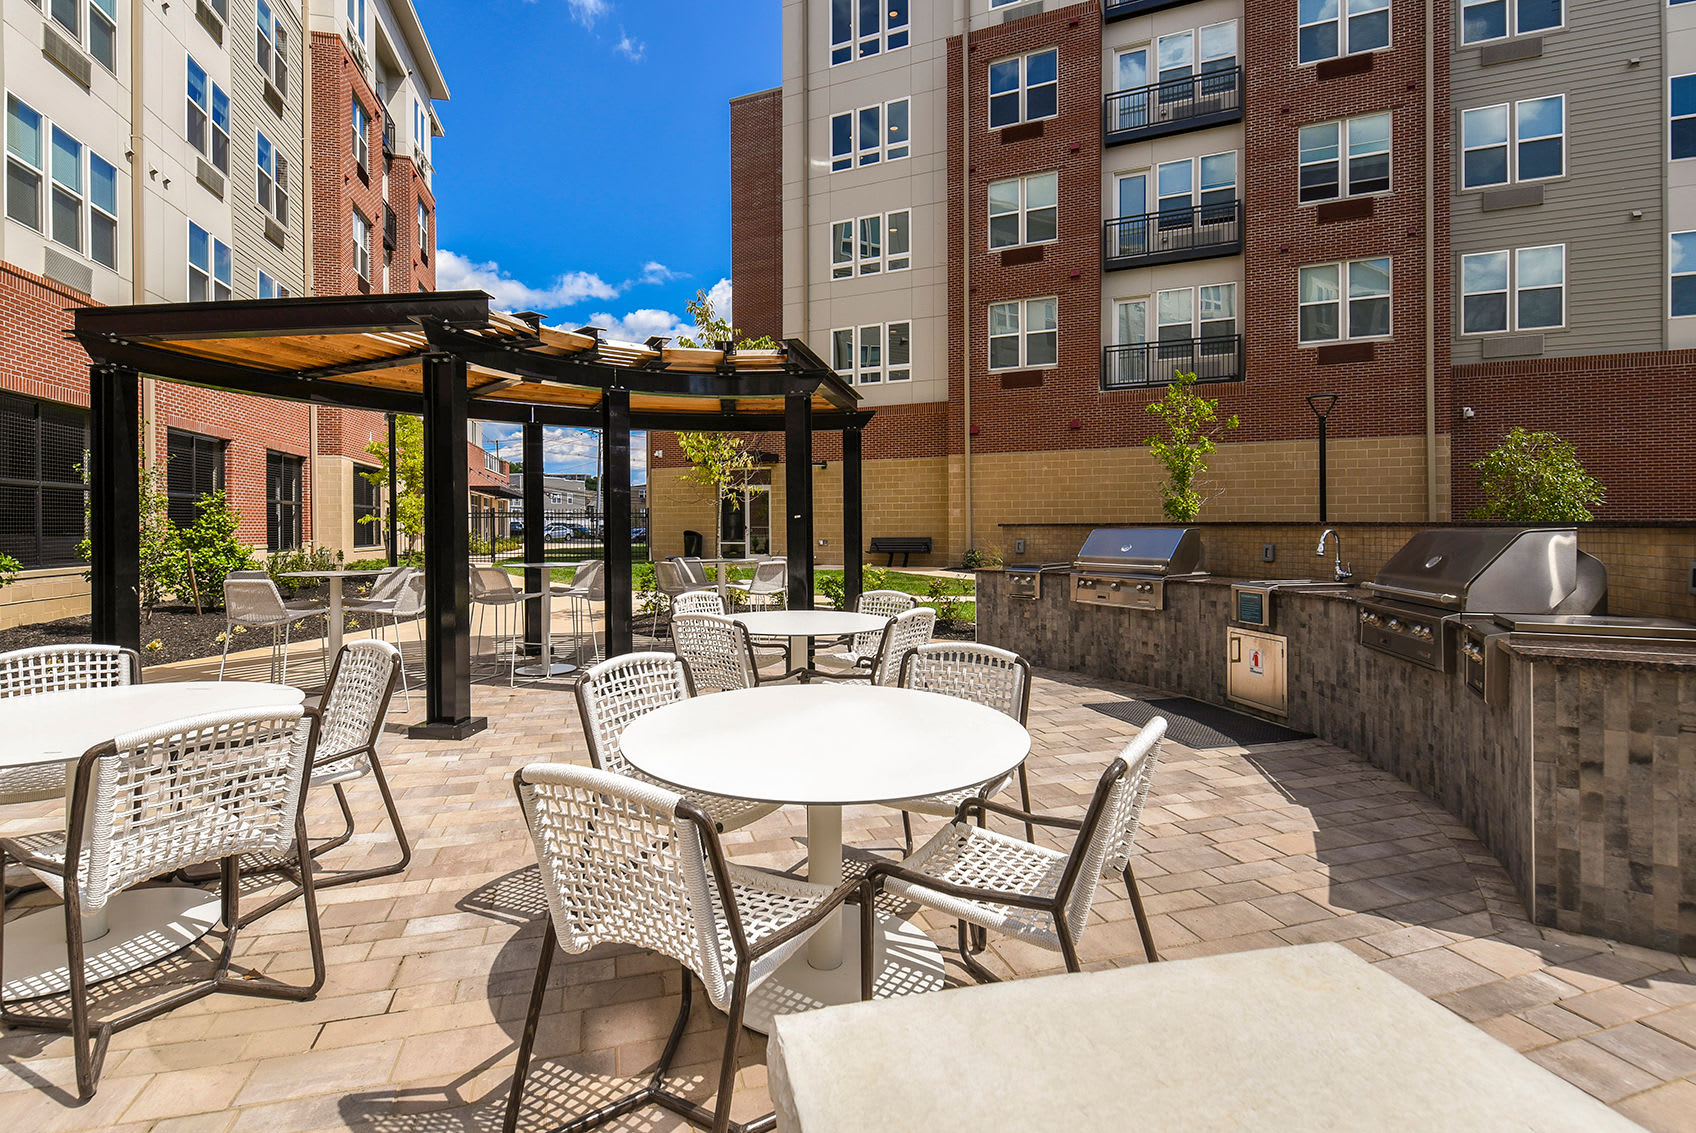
(744, 519)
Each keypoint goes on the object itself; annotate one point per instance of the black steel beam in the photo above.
(322, 314)
(447, 568)
(517, 413)
(853, 528)
(615, 522)
(535, 517)
(114, 506)
(798, 504)
(394, 496)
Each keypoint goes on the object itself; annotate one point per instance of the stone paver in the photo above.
(418, 1022)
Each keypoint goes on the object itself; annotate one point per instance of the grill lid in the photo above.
(1143, 550)
(1599, 625)
(1493, 569)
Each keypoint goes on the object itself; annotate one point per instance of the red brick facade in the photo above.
(338, 184)
(756, 215)
(250, 428)
(36, 359)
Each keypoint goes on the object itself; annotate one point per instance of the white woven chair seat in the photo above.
(983, 859)
(33, 783)
(49, 844)
(341, 770)
(945, 804)
(727, 813)
(767, 903)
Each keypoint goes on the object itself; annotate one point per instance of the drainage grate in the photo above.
(1197, 724)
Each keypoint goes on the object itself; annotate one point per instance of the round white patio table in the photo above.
(801, 626)
(333, 619)
(138, 926)
(545, 665)
(826, 746)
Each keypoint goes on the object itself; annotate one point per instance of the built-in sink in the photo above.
(1293, 583)
(1252, 601)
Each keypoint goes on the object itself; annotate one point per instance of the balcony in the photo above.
(1124, 9)
(1193, 102)
(1141, 365)
(1172, 235)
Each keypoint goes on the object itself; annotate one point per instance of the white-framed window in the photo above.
(1024, 334)
(1509, 142)
(273, 168)
(871, 134)
(1025, 88)
(1350, 158)
(1681, 108)
(356, 18)
(862, 28)
(361, 135)
(1181, 55)
(68, 200)
(1345, 301)
(102, 211)
(1185, 315)
(221, 7)
(269, 288)
(1682, 265)
(1482, 20)
(420, 126)
(209, 273)
(207, 124)
(361, 245)
(1332, 28)
(866, 245)
(1176, 182)
(271, 47)
(26, 165)
(423, 231)
(1517, 289)
(59, 187)
(1024, 210)
(93, 24)
(874, 353)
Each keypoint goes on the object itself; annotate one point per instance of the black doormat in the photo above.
(1197, 724)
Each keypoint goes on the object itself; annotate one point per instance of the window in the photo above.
(356, 18)
(1175, 190)
(81, 210)
(209, 274)
(221, 7)
(869, 25)
(282, 501)
(103, 211)
(99, 35)
(419, 130)
(1683, 266)
(270, 288)
(1534, 278)
(1521, 141)
(208, 122)
(1325, 175)
(361, 138)
(194, 468)
(1345, 301)
(1681, 103)
(1024, 89)
(1024, 210)
(874, 133)
(1330, 28)
(1024, 334)
(24, 164)
(1183, 318)
(42, 494)
(871, 354)
(66, 208)
(367, 509)
(1481, 20)
(870, 244)
(273, 192)
(423, 232)
(361, 245)
(271, 48)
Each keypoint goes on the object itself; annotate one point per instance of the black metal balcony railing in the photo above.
(391, 234)
(1172, 235)
(1122, 9)
(1193, 102)
(1138, 365)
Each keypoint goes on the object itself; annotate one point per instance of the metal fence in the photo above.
(569, 536)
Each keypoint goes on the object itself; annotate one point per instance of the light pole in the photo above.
(1322, 404)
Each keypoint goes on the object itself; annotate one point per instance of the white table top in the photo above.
(331, 573)
(56, 727)
(809, 623)
(825, 744)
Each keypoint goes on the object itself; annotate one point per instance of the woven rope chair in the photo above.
(493, 591)
(397, 596)
(718, 650)
(57, 668)
(588, 586)
(628, 862)
(902, 634)
(210, 788)
(256, 603)
(769, 584)
(671, 580)
(994, 678)
(1036, 894)
(859, 651)
(697, 602)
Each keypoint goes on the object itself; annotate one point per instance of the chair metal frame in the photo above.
(716, 666)
(587, 587)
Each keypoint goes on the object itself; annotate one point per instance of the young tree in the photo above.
(719, 462)
(1535, 477)
(408, 462)
(1192, 426)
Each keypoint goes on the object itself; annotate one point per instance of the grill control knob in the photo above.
(1472, 653)
(1395, 625)
(1146, 587)
(1112, 586)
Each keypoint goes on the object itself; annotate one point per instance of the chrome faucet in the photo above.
(1343, 573)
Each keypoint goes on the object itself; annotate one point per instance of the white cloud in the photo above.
(719, 296)
(631, 49)
(455, 272)
(639, 326)
(586, 12)
(655, 272)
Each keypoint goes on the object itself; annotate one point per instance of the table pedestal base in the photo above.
(145, 925)
(908, 962)
(551, 669)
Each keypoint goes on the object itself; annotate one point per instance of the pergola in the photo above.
(446, 357)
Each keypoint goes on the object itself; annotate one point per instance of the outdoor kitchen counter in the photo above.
(1574, 783)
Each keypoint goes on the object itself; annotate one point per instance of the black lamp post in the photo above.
(1322, 404)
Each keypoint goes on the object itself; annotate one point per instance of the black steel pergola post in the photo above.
(615, 519)
(853, 530)
(114, 506)
(535, 520)
(394, 495)
(798, 502)
(447, 561)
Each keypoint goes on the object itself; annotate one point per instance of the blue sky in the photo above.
(585, 170)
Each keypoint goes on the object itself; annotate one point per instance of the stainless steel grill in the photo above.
(1483, 660)
(1024, 581)
(1128, 567)
(1441, 575)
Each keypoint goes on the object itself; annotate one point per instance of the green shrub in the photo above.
(975, 559)
(1535, 477)
(833, 587)
(945, 597)
(211, 543)
(367, 564)
(281, 564)
(9, 568)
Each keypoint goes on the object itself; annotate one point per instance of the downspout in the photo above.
(965, 8)
(138, 218)
(309, 183)
(1430, 261)
(805, 157)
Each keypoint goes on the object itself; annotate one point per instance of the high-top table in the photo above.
(333, 617)
(801, 627)
(140, 925)
(544, 666)
(826, 746)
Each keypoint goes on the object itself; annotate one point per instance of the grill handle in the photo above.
(1424, 596)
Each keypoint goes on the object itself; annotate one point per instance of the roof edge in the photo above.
(429, 71)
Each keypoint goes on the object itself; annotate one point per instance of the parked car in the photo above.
(559, 529)
(515, 526)
(638, 534)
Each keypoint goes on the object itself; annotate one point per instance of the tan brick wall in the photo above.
(44, 596)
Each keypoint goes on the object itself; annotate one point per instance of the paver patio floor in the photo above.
(429, 971)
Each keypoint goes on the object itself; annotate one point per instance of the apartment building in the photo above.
(160, 153)
(1456, 215)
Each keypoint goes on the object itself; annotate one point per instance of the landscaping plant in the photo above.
(160, 563)
(1192, 426)
(719, 462)
(408, 460)
(211, 542)
(1535, 477)
(9, 568)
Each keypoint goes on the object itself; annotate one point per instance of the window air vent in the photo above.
(275, 232)
(72, 273)
(274, 98)
(67, 55)
(1023, 10)
(210, 21)
(207, 174)
(1527, 47)
(1516, 197)
(1511, 346)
